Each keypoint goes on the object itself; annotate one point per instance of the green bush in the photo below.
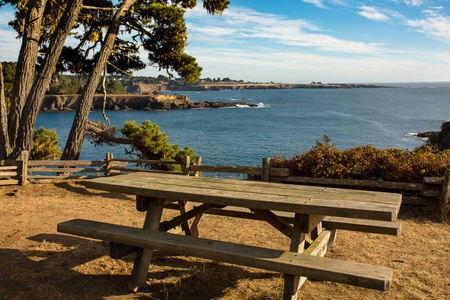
(366, 163)
(151, 143)
(45, 145)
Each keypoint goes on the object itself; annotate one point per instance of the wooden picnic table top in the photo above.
(256, 195)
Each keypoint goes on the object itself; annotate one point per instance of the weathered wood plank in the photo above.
(322, 243)
(228, 169)
(9, 182)
(430, 193)
(352, 183)
(143, 170)
(287, 262)
(433, 180)
(147, 161)
(10, 163)
(66, 170)
(284, 172)
(65, 163)
(9, 174)
(270, 188)
(57, 177)
(323, 203)
(7, 168)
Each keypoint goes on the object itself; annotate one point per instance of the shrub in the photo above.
(151, 143)
(366, 163)
(45, 145)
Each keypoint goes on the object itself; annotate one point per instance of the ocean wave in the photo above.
(411, 134)
(259, 105)
(414, 134)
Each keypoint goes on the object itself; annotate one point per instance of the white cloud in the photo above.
(373, 14)
(435, 27)
(240, 24)
(317, 3)
(10, 45)
(414, 2)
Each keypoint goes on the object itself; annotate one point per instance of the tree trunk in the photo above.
(26, 66)
(4, 140)
(78, 131)
(24, 138)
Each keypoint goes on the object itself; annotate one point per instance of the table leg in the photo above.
(144, 255)
(292, 282)
(190, 226)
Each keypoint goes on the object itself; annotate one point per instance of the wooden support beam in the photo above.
(265, 170)
(186, 165)
(187, 215)
(282, 225)
(188, 225)
(293, 282)
(144, 255)
(24, 159)
(444, 204)
(108, 158)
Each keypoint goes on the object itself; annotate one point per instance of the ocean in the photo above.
(285, 122)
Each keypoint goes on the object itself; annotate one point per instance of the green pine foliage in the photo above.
(151, 143)
(61, 85)
(45, 145)
(366, 163)
(113, 87)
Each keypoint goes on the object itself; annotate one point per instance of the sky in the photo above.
(300, 41)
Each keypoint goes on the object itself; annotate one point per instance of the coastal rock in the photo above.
(149, 102)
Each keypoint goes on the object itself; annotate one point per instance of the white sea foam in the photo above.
(259, 105)
(411, 134)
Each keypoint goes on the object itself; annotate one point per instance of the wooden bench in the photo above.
(362, 225)
(309, 264)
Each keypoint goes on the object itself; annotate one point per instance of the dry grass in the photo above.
(36, 262)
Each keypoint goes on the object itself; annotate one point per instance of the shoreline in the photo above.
(148, 88)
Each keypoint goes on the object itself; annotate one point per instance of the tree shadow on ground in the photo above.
(62, 266)
(78, 188)
(419, 213)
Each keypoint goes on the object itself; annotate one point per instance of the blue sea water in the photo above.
(285, 121)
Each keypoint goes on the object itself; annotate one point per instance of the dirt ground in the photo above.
(36, 262)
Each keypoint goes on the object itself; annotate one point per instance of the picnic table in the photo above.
(308, 215)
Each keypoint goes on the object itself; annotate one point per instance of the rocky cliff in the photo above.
(153, 101)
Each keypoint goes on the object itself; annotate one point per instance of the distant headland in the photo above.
(221, 86)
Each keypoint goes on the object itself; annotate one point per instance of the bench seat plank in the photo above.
(321, 268)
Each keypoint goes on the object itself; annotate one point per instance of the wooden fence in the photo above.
(431, 191)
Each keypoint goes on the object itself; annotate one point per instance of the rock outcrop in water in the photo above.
(152, 101)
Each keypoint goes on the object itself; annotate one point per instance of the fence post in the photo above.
(265, 170)
(186, 165)
(198, 162)
(444, 204)
(109, 157)
(24, 159)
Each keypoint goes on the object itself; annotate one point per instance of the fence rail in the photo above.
(431, 191)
